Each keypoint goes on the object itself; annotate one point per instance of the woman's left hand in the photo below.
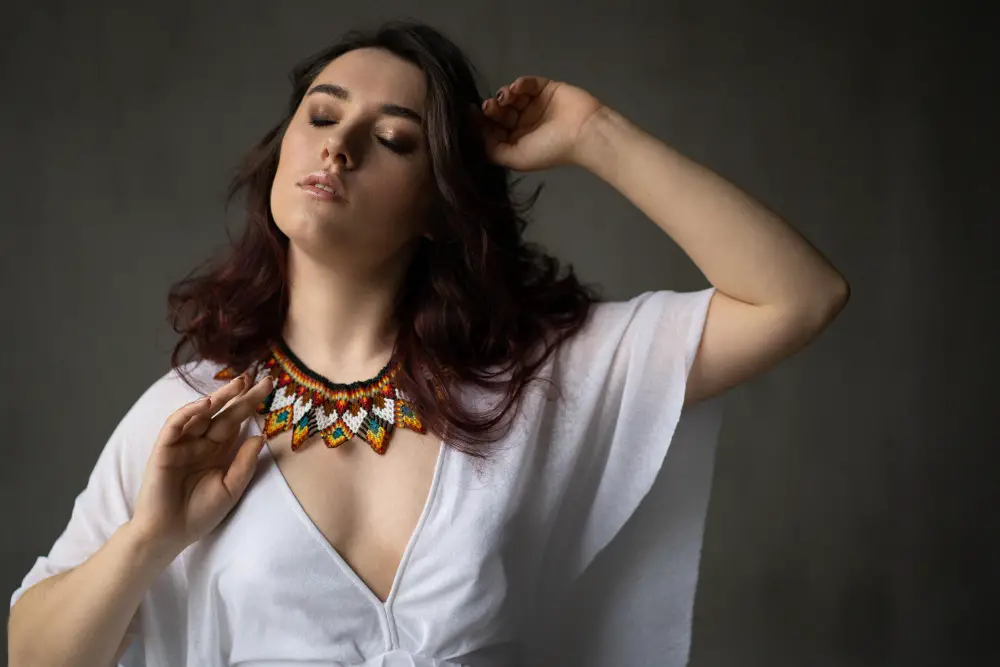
(535, 123)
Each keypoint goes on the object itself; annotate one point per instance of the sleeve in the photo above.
(625, 377)
(108, 500)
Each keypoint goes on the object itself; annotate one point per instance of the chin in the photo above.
(322, 237)
(316, 230)
(297, 214)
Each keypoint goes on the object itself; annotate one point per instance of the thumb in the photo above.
(243, 467)
(503, 153)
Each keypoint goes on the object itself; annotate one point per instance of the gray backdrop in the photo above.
(851, 520)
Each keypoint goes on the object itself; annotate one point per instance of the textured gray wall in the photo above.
(851, 520)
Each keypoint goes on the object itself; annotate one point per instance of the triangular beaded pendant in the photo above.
(309, 404)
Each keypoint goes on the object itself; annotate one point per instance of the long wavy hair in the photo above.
(479, 305)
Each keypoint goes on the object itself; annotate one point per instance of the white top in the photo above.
(495, 551)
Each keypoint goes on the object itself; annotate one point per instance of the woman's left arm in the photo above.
(775, 292)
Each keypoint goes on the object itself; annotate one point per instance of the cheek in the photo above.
(410, 182)
(294, 149)
(406, 196)
(289, 158)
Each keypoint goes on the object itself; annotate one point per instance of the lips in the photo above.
(324, 185)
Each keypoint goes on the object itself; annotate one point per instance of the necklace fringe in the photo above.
(309, 404)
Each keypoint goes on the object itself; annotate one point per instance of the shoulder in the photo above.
(665, 314)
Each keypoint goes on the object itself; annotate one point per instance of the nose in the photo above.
(336, 149)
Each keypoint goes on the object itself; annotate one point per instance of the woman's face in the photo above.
(360, 120)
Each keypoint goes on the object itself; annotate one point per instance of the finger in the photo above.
(233, 398)
(227, 392)
(507, 98)
(243, 467)
(173, 429)
(197, 424)
(195, 417)
(504, 96)
(504, 116)
(226, 424)
(509, 118)
(520, 102)
(491, 109)
(528, 85)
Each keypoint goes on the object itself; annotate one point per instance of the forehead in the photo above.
(376, 76)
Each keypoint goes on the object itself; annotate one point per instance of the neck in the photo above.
(341, 319)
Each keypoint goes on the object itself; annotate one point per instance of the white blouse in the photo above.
(495, 553)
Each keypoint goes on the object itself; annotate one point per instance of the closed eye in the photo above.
(391, 145)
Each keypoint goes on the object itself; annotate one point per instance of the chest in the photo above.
(365, 505)
(345, 554)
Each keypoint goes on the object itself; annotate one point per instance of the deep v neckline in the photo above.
(328, 546)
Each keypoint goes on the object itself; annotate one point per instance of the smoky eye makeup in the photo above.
(320, 115)
(397, 142)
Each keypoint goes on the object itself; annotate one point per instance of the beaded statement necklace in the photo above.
(308, 403)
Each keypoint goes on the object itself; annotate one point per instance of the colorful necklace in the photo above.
(308, 403)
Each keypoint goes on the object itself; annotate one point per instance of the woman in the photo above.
(383, 303)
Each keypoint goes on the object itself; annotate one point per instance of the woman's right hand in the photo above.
(197, 471)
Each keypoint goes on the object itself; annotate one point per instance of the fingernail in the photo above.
(500, 95)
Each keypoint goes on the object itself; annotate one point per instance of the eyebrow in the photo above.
(388, 109)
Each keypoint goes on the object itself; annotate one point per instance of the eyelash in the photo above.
(391, 145)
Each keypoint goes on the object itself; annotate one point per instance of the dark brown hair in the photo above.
(479, 304)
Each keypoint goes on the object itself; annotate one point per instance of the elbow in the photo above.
(816, 309)
(840, 294)
(826, 306)
(837, 296)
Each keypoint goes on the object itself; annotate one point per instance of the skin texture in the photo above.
(775, 291)
(347, 258)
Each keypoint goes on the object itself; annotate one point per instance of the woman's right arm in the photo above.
(79, 617)
(196, 472)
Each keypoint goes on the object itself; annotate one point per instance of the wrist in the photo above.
(599, 138)
(146, 547)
